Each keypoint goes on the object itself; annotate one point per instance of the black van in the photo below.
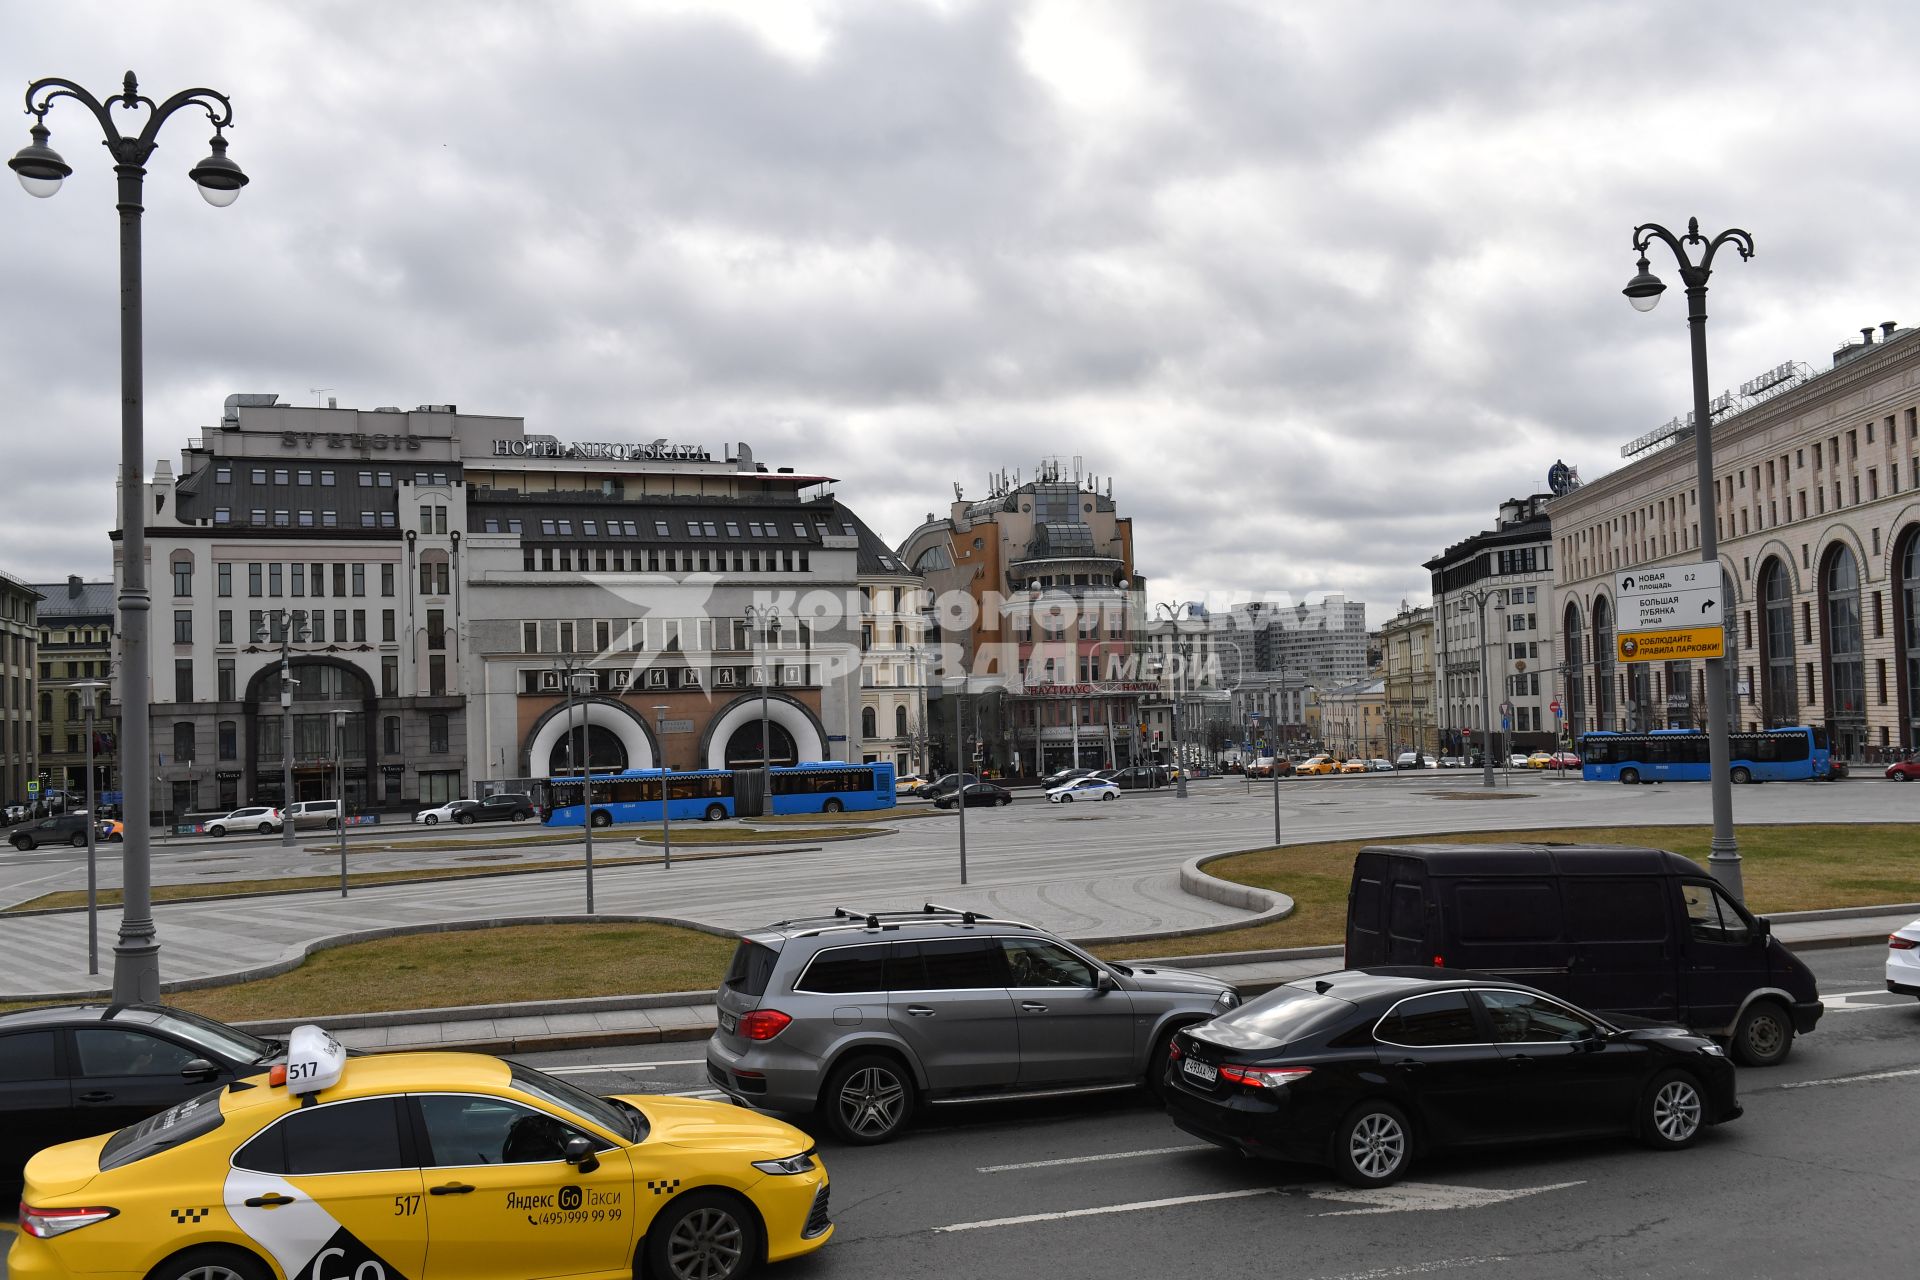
(1637, 932)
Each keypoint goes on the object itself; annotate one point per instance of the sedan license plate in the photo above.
(729, 1023)
(1204, 1071)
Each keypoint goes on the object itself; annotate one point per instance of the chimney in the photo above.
(1886, 330)
(1866, 336)
(74, 586)
(333, 402)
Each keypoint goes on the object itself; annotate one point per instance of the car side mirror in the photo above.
(579, 1153)
(1106, 982)
(199, 1069)
(1762, 927)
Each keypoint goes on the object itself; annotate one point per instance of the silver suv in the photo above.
(863, 1016)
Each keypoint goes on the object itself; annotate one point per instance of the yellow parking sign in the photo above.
(1672, 646)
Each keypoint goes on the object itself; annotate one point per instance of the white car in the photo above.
(432, 817)
(1083, 789)
(1516, 761)
(1903, 959)
(262, 818)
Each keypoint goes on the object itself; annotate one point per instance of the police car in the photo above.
(422, 1166)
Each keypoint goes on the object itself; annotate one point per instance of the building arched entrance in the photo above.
(616, 738)
(733, 737)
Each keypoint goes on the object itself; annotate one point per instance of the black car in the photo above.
(945, 784)
(70, 1071)
(514, 806)
(67, 828)
(1365, 1069)
(1060, 777)
(977, 793)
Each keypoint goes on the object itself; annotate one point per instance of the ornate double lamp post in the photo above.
(136, 955)
(1644, 291)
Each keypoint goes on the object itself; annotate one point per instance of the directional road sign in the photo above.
(1669, 614)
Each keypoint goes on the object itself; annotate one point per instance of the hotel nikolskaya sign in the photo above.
(602, 450)
(1669, 615)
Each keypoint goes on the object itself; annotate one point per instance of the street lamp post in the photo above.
(1474, 600)
(136, 961)
(1644, 291)
(287, 686)
(666, 819)
(960, 770)
(583, 761)
(764, 617)
(340, 788)
(90, 690)
(1173, 610)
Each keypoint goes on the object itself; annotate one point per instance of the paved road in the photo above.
(1814, 1181)
(1085, 870)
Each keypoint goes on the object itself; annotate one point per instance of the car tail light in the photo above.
(763, 1024)
(1174, 1053)
(43, 1223)
(1897, 943)
(1264, 1077)
(1439, 962)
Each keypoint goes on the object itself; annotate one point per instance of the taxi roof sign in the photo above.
(314, 1060)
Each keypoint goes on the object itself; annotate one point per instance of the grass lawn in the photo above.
(477, 966)
(1785, 868)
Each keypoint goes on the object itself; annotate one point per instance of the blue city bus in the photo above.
(1794, 754)
(823, 786)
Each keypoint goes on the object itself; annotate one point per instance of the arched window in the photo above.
(1845, 663)
(1605, 713)
(1779, 686)
(899, 722)
(869, 723)
(1906, 603)
(1575, 709)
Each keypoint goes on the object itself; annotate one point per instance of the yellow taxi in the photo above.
(1540, 760)
(910, 785)
(422, 1166)
(1355, 765)
(1316, 765)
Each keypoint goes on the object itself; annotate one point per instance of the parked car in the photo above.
(1377, 765)
(1366, 1069)
(867, 1018)
(1539, 759)
(910, 785)
(112, 831)
(16, 813)
(1061, 777)
(1354, 765)
(1564, 760)
(1453, 762)
(1904, 770)
(65, 828)
(1314, 766)
(1411, 760)
(1631, 931)
(264, 819)
(1903, 959)
(504, 806)
(977, 794)
(80, 1069)
(1139, 777)
(314, 813)
(1083, 789)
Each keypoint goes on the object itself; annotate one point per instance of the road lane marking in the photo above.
(1110, 1155)
(1872, 1075)
(1418, 1268)
(1424, 1197)
(590, 1068)
(1880, 998)
(1101, 1210)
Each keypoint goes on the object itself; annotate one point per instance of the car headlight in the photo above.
(802, 1163)
(1228, 999)
(1713, 1050)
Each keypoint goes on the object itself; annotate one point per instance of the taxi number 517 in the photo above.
(406, 1206)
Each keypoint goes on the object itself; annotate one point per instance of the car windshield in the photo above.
(613, 1116)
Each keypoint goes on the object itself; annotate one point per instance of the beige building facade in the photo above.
(1817, 478)
(1407, 649)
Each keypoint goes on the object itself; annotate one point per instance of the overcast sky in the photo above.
(1317, 285)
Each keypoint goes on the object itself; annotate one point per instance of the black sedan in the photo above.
(69, 1071)
(977, 794)
(1365, 1069)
